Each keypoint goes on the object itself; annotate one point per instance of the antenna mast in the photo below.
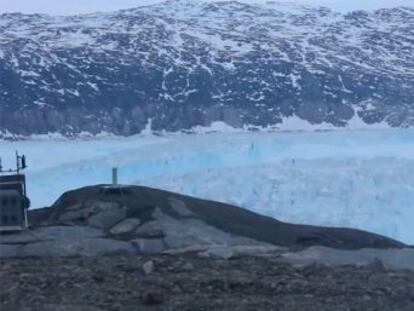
(20, 164)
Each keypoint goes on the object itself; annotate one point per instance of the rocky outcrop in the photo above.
(187, 63)
(102, 220)
(393, 259)
(172, 252)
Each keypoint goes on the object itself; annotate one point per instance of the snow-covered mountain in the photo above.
(185, 63)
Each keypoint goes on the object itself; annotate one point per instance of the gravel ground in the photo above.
(187, 282)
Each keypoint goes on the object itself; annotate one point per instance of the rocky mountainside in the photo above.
(185, 63)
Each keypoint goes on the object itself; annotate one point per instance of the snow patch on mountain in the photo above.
(185, 64)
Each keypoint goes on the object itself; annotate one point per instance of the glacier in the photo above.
(349, 178)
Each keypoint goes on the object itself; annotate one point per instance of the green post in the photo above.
(114, 176)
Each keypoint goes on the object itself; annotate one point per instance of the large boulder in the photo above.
(99, 220)
(60, 241)
(159, 210)
(395, 259)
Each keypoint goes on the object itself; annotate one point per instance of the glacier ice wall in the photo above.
(361, 179)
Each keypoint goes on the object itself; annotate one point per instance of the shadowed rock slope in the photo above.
(134, 206)
(102, 220)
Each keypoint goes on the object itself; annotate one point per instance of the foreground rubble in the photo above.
(135, 248)
(188, 282)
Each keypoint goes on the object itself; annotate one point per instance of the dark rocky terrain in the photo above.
(188, 282)
(186, 63)
(137, 248)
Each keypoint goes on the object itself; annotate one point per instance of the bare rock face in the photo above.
(100, 220)
(394, 259)
(149, 246)
(125, 226)
(60, 241)
(105, 215)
